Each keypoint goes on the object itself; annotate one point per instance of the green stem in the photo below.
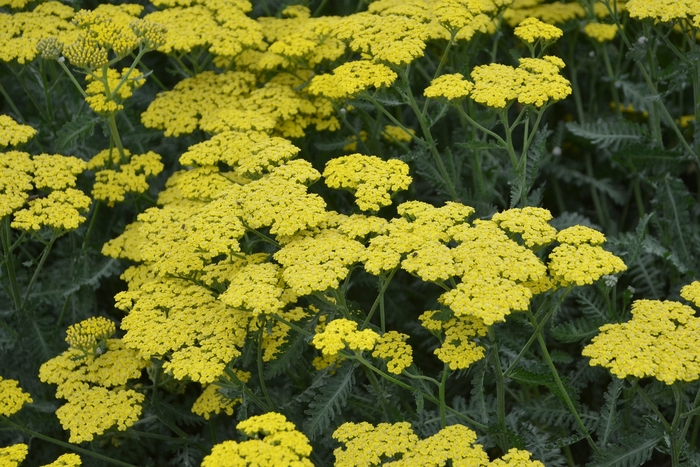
(481, 127)
(9, 100)
(243, 388)
(126, 75)
(72, 447)
(380, 296)
(42, 260)
(261, 377)
(427, 396)
(45, 87)
(262, 236)
(377, 389)
(441, 64)
(72, 78)
(10, 263)
(39, 109)
(652, 406)
(115, 136)
(428, 137)
(500, 391)
(441, 392)
(676, 433)
(560, 385)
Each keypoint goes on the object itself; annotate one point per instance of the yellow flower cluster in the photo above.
(536, 81)
(530, 223)
(60, 210)
(417, 241)
(104, 29)
(315, 263)
(249, 154)
(91, 333)
(12, 133)
(352, 78)
(274, 442)
(66, 460)
(393, 133)
(372, 180)
(91, 375)
(12, 456)
(212, 401)
(21, 32)
(230, 101)
(297, 38)
(12, 397)
(691, 292)
(56, 172)
(114, 178)
(220, 26)
(532, 30)
(458, 348)
(342, 332)
(662, 10)
(392, 346)
(550, 13)
(366, 445)
(390, 36)
(176, 317)
(16, 170)
(662, 340)
(579, 259)
(106, 94)
(451, 87)
(600, 32)
(257, 288)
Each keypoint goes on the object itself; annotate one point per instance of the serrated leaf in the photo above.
(609, 135)
(78, 129)
(329, 401)
(108, 268)
(290, 354)
(577, 330)
(608, 414)
(603, 185)
(632, 452)
(651, 159)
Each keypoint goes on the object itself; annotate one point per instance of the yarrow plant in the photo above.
(352, 233)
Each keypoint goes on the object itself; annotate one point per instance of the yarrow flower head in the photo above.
(13, 133)
(90, 334)
(600, 32)
(66, 460)
(662, 340)
(371, 179)
(274, 442)
(532, 30)
(351, 78)
(12, 456)
(12, 397)
(60, 210)
(342, 332)
(115, 178)
(393, 347)
(366, 445)
(451, 87)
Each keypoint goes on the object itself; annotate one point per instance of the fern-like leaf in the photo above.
(608, 415)
(633, 451)
(610, 135)
(75, 131)
(577, 330)
(329, 401)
